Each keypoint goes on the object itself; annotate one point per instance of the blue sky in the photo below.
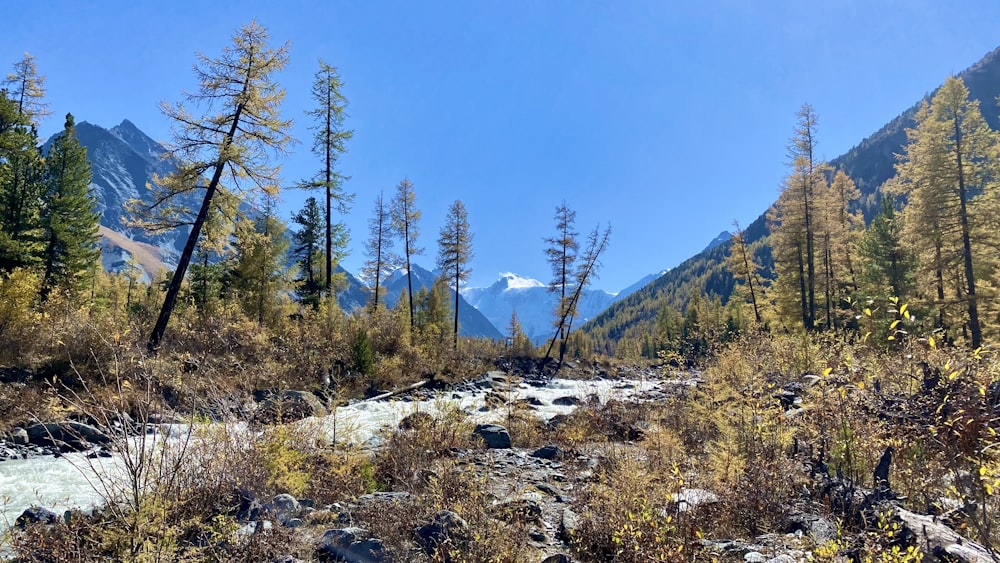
(669, 120)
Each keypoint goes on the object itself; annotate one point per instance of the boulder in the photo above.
(557, 558)
(446, 528)
(350, 546)
(19, 436)
(568, 401)
(288, 406)
(495, 436)
(36, 515)
(76, 435)
(548, 452)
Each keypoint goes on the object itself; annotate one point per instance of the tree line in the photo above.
(927, 260)
(227, 136)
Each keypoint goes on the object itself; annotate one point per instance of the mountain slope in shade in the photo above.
(532, 302)
(869, 164)
(471, 322)
(123, 161)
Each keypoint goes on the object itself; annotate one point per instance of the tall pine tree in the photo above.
(69, 220)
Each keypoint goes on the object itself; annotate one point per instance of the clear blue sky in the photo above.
(666, 119)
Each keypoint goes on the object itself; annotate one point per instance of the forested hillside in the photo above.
(869, 164)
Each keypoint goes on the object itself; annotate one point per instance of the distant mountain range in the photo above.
(535, 304)
(870, 163)
(124, 159)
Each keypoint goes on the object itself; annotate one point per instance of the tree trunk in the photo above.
(182, 265)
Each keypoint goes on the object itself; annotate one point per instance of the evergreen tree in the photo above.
(234, 139)
(329, 142)
(21, 188)
(887, 264)
(68, 219)
(378, 249)
(308, 241)
(455, 253)
(945, 172)
(27, 88)
(404, 215)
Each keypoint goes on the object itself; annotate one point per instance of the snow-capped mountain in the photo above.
(471, 322)
(532, 302)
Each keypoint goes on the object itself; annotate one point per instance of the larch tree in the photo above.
(69, 219)
(404, 215)
(746, 270)
(838, 228)
(260, 272)
(793, 223)
(378, 249)
(561, 254)
(226, 151)
(455, 253)
(27, 88)
(584, 272)
(945, 172)
(329, 142)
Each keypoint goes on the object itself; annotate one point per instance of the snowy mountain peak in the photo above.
(510, 280)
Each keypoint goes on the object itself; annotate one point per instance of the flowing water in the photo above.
(75, 481)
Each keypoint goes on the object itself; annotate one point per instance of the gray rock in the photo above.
(495, 436)
(568, 401)
(569, 525)
(557, 558)
(446, 527)
(284, 506)
(19, 436)
(69, 433)
(289, 405)
(347, 545)
(754, 557)
(35, 515)
(548, 452)
(384, 497)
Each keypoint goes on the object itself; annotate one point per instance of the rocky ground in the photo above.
(537, 491)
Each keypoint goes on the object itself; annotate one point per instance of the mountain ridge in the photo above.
(869, 163)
